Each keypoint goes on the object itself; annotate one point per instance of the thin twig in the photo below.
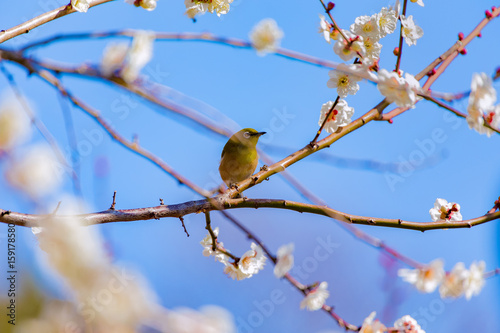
(400, 49)
(183, 225)
(114, 202)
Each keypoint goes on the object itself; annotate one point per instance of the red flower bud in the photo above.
(461, 36)
(396, 51)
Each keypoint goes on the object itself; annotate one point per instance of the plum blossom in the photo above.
(208, 248)
(35, 172)
(80, 5)
(445, 211)
(411, 31)
(409, 325)
(481, 110)
(453, 285)
(341, 115)
(325, 28)
(249, 264)
(266, 36)
(138, 55)
(367, 27)
(371, 326)
(387, 21)
(427, 278)
(284, 260)
(402, 91)
(146, 4)
(475, 281)
(342, 79)
(195, 7)
(347, 50)
(316, 298)
(15, 127)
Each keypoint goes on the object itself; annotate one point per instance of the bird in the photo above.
(239, 157)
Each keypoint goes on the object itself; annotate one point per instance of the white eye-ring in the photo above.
(246, 135)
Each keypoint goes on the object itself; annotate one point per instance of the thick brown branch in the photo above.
(195, 207)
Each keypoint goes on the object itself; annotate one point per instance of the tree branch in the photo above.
(220, 203)
(25, 27)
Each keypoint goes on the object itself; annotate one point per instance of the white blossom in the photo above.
(76, 252)
(208, 247)
(427, 278)
(209, 319)
(252, 261)
(411, 31)
(36, 172)
(367, 27)
(15, 127)
(316, 298)
(324, 28)
(482, 94)
(234, 272)
(371, 326)
(418, 2)
(249, 264)
(409, 325)
(387, 21)
(347, 50)
(266, 36)
(373, 49)
(445, 211)
(138, 55)
(475, 280)
(146, 4)
(341, 115)
(402, 91)
(481, 108)
(80, 5)
(196, 7)
(454, 283)
(113, 58)
(284, 260)
(342, 79)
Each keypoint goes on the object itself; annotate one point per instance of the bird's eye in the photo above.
(246, 135)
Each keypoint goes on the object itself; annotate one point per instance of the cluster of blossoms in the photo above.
(76, 252)
(362, 42)
(199, 7)
(249, 264)
(404, 324)
(481, 106)
(83, 5)
(126, 60)
(459, 281)
(445, 211)
(253, 261)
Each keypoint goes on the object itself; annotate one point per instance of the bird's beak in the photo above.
(259, 133)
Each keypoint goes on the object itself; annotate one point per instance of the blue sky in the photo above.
(254, 91)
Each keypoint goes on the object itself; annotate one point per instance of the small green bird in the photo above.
(239, 157)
